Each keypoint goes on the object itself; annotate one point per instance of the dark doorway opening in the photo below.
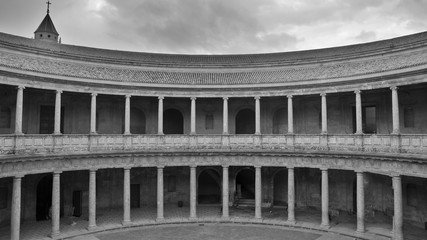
(354, 195)
(280, 123)
(280, 188)
(209, 187)
(245, 184)
(135, 195)
(77, 203)
(44, 198)
(173, 122)
(245, 122)
(369, 119)
(47, 119)
(137, 121)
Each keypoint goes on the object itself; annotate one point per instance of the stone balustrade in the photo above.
(75, 143)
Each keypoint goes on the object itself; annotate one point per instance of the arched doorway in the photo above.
(280, 188)
(245, 121)
(173, 122)
(280, 124)
(137, 121)
(245, 184)
(209, 187)
(44, 198)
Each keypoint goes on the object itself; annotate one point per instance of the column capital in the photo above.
(94, 94)
(394, 88)
(257, 166)
(127, 168)
(19, 176)
(128, 96)
(289, 96)
(290, 167)
(93, 169)
(358, 172)
(323, 169)
(358, 91)
(160, 97)
(59, 91)
(193, 98)
(395, 176)
(57, 172)
(193, 166)
(20, 87)
(225, 166)
(257, 97)
(160, 167)
(225, 98)
(323, 94)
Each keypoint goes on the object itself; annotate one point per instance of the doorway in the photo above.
(44, 198)
(245, 122)
(135, 195)
(77, 203)
(173, 122)
(47, 119)
(209, 187)
(245, 184)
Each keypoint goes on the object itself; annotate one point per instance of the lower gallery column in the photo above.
(160, 193)
(15, 223)
(258, 192)
(126, 196)
(291, 195)
(92, 199)
(325, 198)
(225, 192)
(193, 210)
(398, 209)
(360, 202)
(55, 203)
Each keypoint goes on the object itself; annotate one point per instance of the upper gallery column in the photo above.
(57, 126)
(160, 193)
(160, 116)
(325, 198)
(290, 115)
(15, 223)
(193, 208)
(19, 109)
(193, 115)
(55, 203)
(92, 199)
(398, 209)
(258, 189)
(358, 112)
(360, 192)
(291, 195)
(324, 114)
(127, 114)
(257, 115)
(93, 113)
(225, 115)
(225, 192)
(395, 110)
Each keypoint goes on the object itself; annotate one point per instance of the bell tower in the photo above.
(46, 30)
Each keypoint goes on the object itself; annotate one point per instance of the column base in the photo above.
(19, 133)
(126, 223)
(161, 219)
(193, 218)
(57, 133)
(325, 226)
(291, 222)
(360, 232)
(91, 228)
(225, 218)
(93, 133)
(54, 235)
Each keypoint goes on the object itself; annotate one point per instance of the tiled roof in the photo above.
(333, 63)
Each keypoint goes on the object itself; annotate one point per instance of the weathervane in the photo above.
(48, 3)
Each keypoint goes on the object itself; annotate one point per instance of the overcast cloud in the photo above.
(217, 26)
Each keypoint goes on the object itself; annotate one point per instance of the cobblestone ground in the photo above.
(378, 227)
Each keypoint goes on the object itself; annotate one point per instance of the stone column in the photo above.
(257, 115)
(258, 189)
(358, 112)
(93, 114)
(360, 202)
(324, 114)
(127, 114)
(225, 115)
(290, 115)
(55, 203)
(15, 223)
(225, 192)
(92, 199)
(398, 209)
(160, 116)
(126, 196)
(193, 209)
(19, 109)
(160, 216)
(193, 115)
(325, 198)
(291, 195)
(57, 126)
(395, 110)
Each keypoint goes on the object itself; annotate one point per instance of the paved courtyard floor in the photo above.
(144, 219)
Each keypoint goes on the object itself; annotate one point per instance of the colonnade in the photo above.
(360, 229)
(324, 118)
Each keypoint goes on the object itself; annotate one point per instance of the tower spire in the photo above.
(48, 4)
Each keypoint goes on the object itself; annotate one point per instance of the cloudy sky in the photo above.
(217, 26)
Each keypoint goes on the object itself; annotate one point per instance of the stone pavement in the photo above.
(308, 219)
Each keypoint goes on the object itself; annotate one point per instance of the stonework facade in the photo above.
(340, 130)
